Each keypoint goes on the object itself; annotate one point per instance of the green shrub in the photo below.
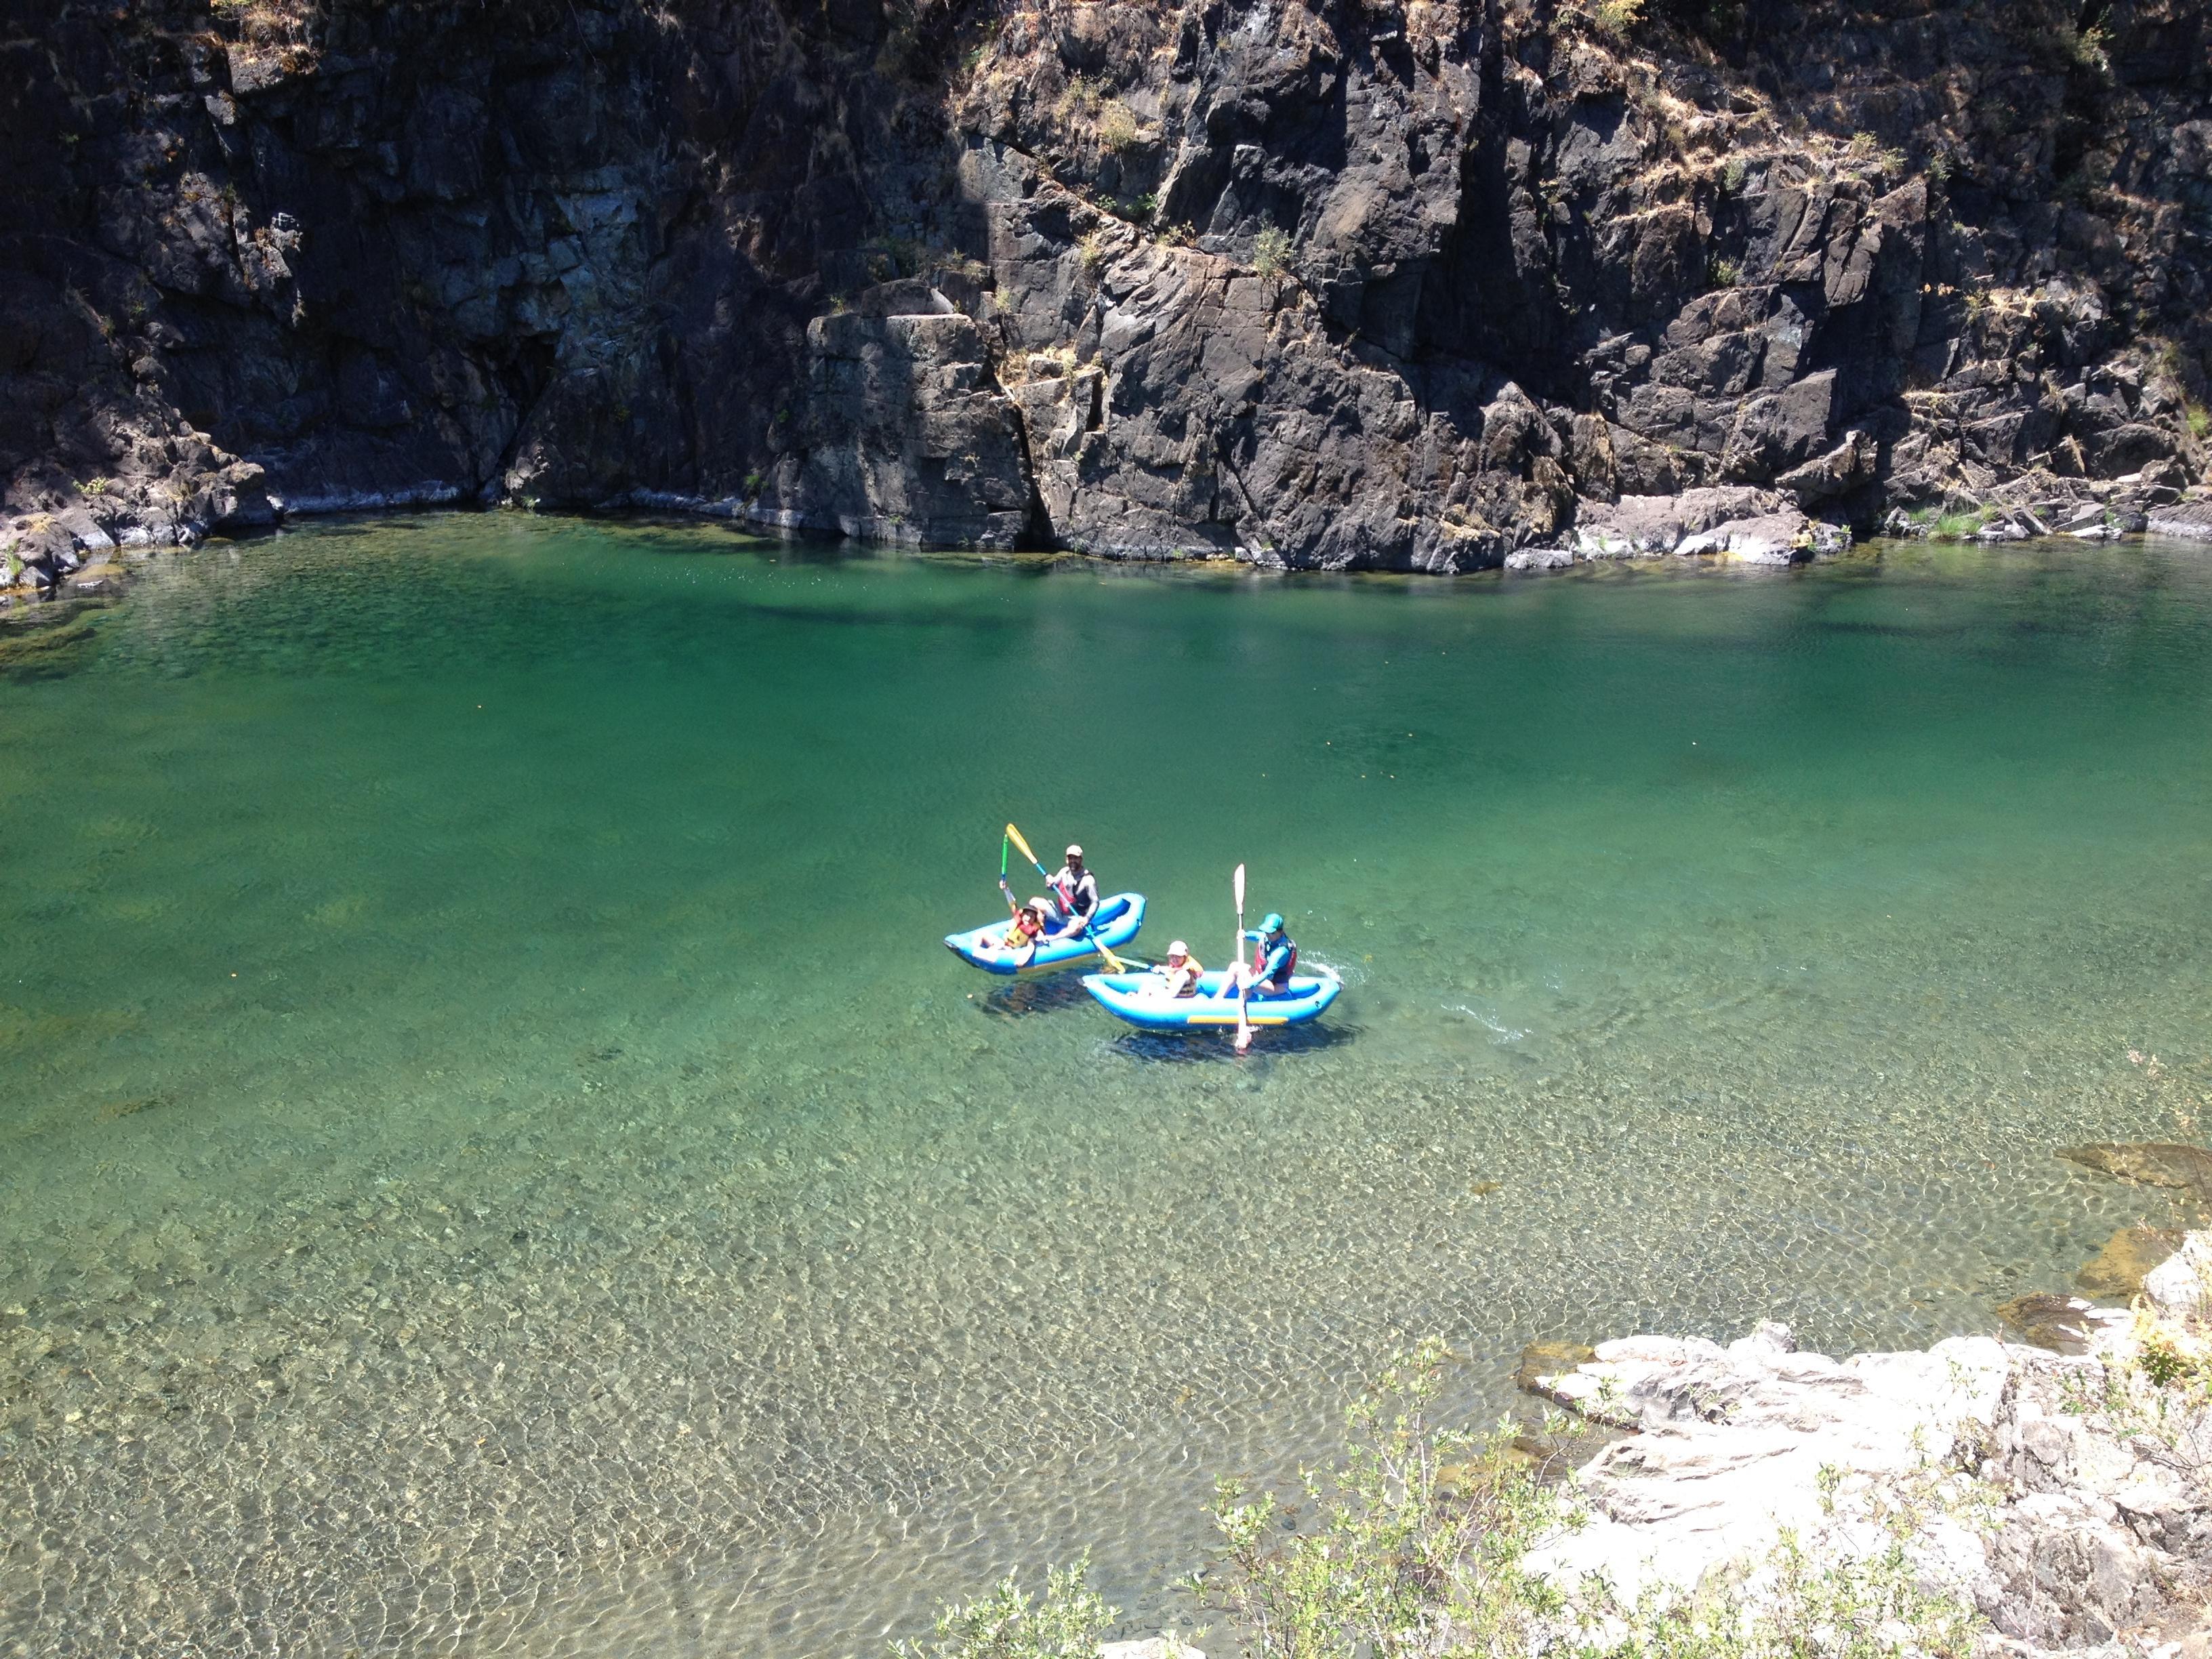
(1271, 253)
(1065, 1622)
(1419, 1529)
(1617, 17)
(1117, 125)
(1957, 527)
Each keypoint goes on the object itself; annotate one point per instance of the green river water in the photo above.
(495, 1159)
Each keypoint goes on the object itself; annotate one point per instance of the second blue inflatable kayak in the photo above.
(1116, 923)
(1141, 999)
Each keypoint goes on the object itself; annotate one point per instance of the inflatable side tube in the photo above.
(1141, 999)
(1116, 923)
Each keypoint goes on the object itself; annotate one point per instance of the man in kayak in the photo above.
(1181, 970)
(1076, 890)
(1275, 955)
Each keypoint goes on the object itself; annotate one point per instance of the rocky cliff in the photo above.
(1408, 283)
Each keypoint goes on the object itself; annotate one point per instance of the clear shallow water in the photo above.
(494, 1160)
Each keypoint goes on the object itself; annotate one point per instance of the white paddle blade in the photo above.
(1240, 886)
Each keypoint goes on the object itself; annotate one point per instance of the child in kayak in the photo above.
(1181, 970)
(1030, 925)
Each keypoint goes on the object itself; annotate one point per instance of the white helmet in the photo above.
(1074, 852)
(1178, 949)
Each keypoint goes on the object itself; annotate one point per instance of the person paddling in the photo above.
(1077, 889)
(1274, 956)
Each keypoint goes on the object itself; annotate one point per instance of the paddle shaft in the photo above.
(1237, 964)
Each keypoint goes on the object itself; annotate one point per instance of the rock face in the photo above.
(1733, 1440)
(1415, 284)
(2066, 1526)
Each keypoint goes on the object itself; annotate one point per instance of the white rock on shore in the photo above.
(1750, 527)
(2068, 1523)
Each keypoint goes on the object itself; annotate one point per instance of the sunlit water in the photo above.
(495, 1159)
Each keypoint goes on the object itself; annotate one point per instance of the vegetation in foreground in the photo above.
(1420, 1545)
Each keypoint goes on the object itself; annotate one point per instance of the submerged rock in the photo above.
(2117, 1271)
(2048, 1319)
(2152, 1162)
(1543, 1362)
(36, 648)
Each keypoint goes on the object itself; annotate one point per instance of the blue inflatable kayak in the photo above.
(1141, 999)
(1116, 923)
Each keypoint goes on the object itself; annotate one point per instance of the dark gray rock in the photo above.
(1392, 285)
(2191, 520)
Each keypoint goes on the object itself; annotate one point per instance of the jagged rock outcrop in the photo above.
(2046, 1490)
(1415, 284)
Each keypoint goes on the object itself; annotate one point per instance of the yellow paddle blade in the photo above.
(1015, 836)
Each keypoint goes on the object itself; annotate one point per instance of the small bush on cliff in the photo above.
(1271, 253)
(1063, 1623)
(1117, 127)
(1615, 17)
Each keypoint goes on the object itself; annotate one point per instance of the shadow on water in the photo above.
(1046, 993)
(1217, 1046)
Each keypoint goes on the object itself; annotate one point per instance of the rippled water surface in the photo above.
(494, 1159)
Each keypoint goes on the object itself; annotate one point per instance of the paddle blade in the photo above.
(1015, 836)
(1239, 884)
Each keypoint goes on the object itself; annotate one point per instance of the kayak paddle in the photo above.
(1088, 932)
(1235, 964)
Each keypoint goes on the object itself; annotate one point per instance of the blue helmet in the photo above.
(1273, 923)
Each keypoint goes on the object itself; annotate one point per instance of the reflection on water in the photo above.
(496, 1158)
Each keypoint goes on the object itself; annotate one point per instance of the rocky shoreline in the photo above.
(83, 554)
(2054, 1491)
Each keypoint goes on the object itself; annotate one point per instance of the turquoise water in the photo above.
(493, 1158)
